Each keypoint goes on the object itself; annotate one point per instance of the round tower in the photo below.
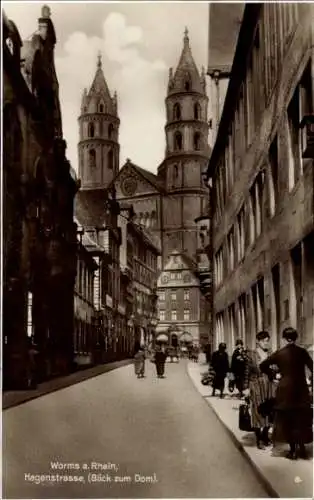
(187, 153)
(98, 148)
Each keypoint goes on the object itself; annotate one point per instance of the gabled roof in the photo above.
(145, 174)
(190, 264)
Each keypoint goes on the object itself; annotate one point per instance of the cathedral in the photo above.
(166, 204)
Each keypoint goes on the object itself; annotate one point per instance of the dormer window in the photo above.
(187, 82)
(101, 108)
(91, 130)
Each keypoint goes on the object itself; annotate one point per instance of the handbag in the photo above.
(244, 418)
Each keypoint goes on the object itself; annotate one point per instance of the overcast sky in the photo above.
(139, 42)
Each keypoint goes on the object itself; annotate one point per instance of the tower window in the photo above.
(110, 130)
(197, 111)
(110, 159)
(101, 108)
(178, 141)
(197, 141)
(92, 158)
(91, 130)
(177, 111)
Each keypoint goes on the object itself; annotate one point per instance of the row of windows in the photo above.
(252, 102)
(177, 112)
(162, 295)
(92, 159)
(291, 303)
(284, 159)
(179, 143)
(100, 108)
(92, 131)
(84, 281)
(173, 315)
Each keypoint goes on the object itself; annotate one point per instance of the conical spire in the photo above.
(99, 85)
(186, 76)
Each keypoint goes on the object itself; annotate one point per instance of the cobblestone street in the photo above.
(150, 427)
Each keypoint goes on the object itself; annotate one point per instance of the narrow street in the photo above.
(150, 427)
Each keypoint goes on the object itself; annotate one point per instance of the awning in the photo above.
(162, 337)
(186, 337)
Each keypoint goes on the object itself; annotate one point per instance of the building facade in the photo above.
(261, 169)
(139, 258)
(39, 233)
(85, 327)
(181, 305)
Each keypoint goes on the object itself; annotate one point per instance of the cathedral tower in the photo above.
(98, 148)
(187, 152)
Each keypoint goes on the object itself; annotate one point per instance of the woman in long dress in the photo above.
(293, 413)
(139, 363)
(260, 388)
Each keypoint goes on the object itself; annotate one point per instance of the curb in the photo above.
(59, 383)
(260, 476)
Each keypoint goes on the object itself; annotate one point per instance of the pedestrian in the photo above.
(259, 387)
(293, 412)
(160, 360)
(220, 365)
(238, 366)
(207, 351)
(139, 362)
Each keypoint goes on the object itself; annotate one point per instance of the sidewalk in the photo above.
(286, 478)
(15, 398)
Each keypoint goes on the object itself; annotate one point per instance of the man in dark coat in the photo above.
(238, 366)
(160, 360)
(220, 365)
(293, 412)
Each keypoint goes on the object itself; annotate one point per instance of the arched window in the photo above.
(178, 141)
(92, 158)
(175, 173)
(197, 141)
(177, 112)
(110, 159)
(147, 221)
(197, 111)
(110, 131)
(91, 130)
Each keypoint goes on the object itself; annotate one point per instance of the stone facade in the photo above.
(181, 307)
(39, 233)
(262, 173)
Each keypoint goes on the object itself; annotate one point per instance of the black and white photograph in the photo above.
(157, 244)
